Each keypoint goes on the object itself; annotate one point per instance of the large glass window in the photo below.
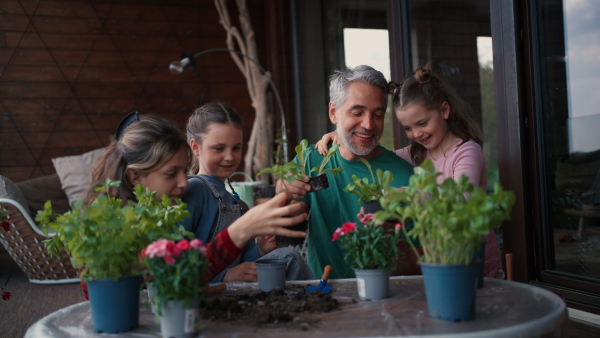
(569, 125)
(364, 46)
(455, 37)
(331, 35)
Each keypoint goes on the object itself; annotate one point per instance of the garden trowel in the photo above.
(323, 287)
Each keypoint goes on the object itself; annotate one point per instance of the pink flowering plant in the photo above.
(174, 270)
(370, 245)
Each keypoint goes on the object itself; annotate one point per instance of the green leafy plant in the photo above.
(107, 236)
(370, 191)
(288, 172)
(174, 270)
(370, 245)
(295, 170)
(449, 219)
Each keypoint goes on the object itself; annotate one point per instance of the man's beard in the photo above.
(346, 138)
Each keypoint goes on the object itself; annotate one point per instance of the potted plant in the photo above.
(371, 248)
(449, 220)
(370, 193)
(295, 170)
(174, 270)
(105, 239)
(291, 171)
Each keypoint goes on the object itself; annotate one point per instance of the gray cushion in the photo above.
(74, 173)
(41, 189)
(9, 190)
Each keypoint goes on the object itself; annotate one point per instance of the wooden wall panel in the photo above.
(70, 70)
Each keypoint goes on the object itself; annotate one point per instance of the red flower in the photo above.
(366, 218)
(6, 224)
(173, 249)
(336, 234)
(183, 245)
(169, 259)
(346, 228)
(398, 226)
(5, 295)
(196, 243)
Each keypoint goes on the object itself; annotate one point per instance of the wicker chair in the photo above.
(24, 243)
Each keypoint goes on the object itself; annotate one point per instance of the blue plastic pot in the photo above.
(450, 290)
(115, 304)
(480, 254)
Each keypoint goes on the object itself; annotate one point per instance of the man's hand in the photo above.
(297, 189)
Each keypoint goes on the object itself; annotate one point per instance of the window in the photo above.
(568, 125)
(371, 47)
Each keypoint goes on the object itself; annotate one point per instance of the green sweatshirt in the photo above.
(332, 207)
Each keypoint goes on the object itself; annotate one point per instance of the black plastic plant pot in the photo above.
(293, 241)
(319, 182)
(372, 207)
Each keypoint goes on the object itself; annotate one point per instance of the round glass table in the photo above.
(503, 309)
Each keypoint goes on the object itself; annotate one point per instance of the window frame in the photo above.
(517, 82)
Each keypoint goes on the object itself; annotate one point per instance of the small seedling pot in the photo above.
(319, 182)
(372, 207)
(271, 274)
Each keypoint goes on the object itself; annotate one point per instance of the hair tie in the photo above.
(424, 81)
(422, 76)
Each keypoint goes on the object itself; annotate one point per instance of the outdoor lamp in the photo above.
(188, 60)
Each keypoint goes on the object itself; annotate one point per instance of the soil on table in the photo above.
(275, 308)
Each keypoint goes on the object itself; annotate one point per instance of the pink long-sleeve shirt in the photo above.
(467, 159)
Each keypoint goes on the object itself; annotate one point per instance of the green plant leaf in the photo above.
(108, 235)
(296, 169)
(449, 219)
(370, 191)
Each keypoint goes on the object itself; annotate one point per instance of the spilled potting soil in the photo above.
(275, 308)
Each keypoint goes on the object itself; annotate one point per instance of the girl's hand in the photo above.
(243, 272)
(269, 218)
(265, 244)
(324, 141)
(361, 215)
(296, 189)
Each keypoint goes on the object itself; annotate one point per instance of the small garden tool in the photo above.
(323, 287)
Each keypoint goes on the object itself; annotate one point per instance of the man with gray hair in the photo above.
(358, 102)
